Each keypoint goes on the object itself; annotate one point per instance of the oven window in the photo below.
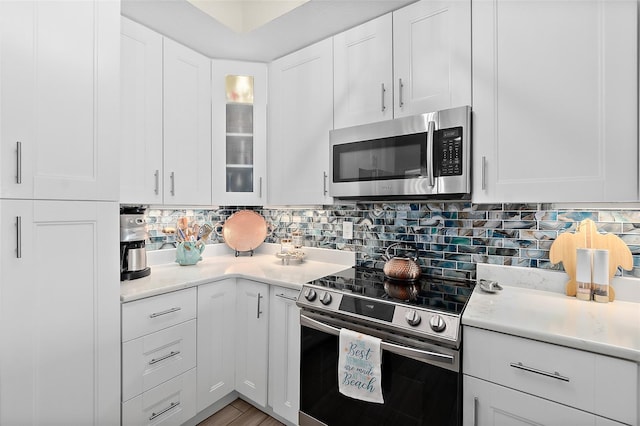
(401, 157)
(414, 393)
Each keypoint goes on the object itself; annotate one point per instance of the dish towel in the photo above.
(359, 366)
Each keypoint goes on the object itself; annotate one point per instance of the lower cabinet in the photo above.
(510, 380)
(184, 351)
(216, 344)
(284, 353)
(252, 339)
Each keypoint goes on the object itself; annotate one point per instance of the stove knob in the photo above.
(412, 317)
(310, 294)
(326, 298)
(437, 323)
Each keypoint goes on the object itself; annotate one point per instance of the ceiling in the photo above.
(313, 21)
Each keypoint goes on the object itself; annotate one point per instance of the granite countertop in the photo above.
(537, 309)
(219, 262)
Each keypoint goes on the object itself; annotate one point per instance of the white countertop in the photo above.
(219, 262)
(551, 316)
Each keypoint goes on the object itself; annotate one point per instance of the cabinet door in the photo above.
(284, 353)
(432, 56)
(59, 313)
(187, 126)
(141, 113)
(252, 334)
(362, 73)
(300, 117)
(239, 126)
(555, 111)
(60, 94)
(488, 404)
(216, 341)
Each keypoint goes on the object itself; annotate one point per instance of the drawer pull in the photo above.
(162, 358)
(554, 375)
(284, 296)
(159, 413)
(168, 311)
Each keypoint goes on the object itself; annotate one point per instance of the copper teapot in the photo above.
(401, 267)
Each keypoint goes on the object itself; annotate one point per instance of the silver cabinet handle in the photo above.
(259, 311)
(554, 375)
(162, 358)
(260, 187)
(431, 130)
(484, 173)
(168, 311)
(161, 412)
(157, 178)
(324, 183)
(18, 162)
(382, 97)
(284, 296)
(400, 87)
(18, 237)
(173, 183)
(475, 411)
(418, 354)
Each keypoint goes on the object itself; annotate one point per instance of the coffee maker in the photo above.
(133, 254)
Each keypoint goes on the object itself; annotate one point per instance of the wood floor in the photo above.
(240, 413)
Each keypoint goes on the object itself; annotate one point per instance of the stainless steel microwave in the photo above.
(422, 155)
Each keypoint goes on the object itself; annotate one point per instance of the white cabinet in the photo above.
(159, 359)
(141, 115)
(284, 353)
(541, 383)
(239, 132)
(363, 73)
(59, 102)
(216, 341)
(555, 110)
(59, 312)
(300, 117)
(431, 56)
(187, 126)
(252, 339)
(414, 60)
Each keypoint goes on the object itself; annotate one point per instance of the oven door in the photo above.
(420, 387)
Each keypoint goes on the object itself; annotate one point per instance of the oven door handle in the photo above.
(385, 346)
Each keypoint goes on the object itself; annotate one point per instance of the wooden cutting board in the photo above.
(564, 248)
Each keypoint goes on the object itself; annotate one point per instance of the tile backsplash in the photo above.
(451, 238)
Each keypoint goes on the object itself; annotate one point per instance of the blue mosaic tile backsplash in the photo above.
(450, 238)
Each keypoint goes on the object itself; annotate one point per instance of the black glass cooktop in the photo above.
(448, 295)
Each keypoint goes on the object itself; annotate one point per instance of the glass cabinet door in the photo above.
(239, 96)
(239, 133)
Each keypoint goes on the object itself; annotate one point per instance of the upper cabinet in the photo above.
(431, 56)
(239, 132)
(141, 115)
(165, 149)
(187, 126)
(555, 92)
(59, 102)
(300, 117)
(363, 73)
(414, 60)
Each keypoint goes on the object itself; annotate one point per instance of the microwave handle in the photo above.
(430, 132)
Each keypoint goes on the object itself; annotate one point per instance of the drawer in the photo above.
(595, 383)
(171, 403)
(157, 357)
(155, 313)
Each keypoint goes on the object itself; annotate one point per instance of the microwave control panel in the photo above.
(449, 153)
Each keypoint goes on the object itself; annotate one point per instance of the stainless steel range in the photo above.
(419, 324)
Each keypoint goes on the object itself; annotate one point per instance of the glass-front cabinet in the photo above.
(239, 132)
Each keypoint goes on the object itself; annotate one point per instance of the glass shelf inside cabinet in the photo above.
(239, 133)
